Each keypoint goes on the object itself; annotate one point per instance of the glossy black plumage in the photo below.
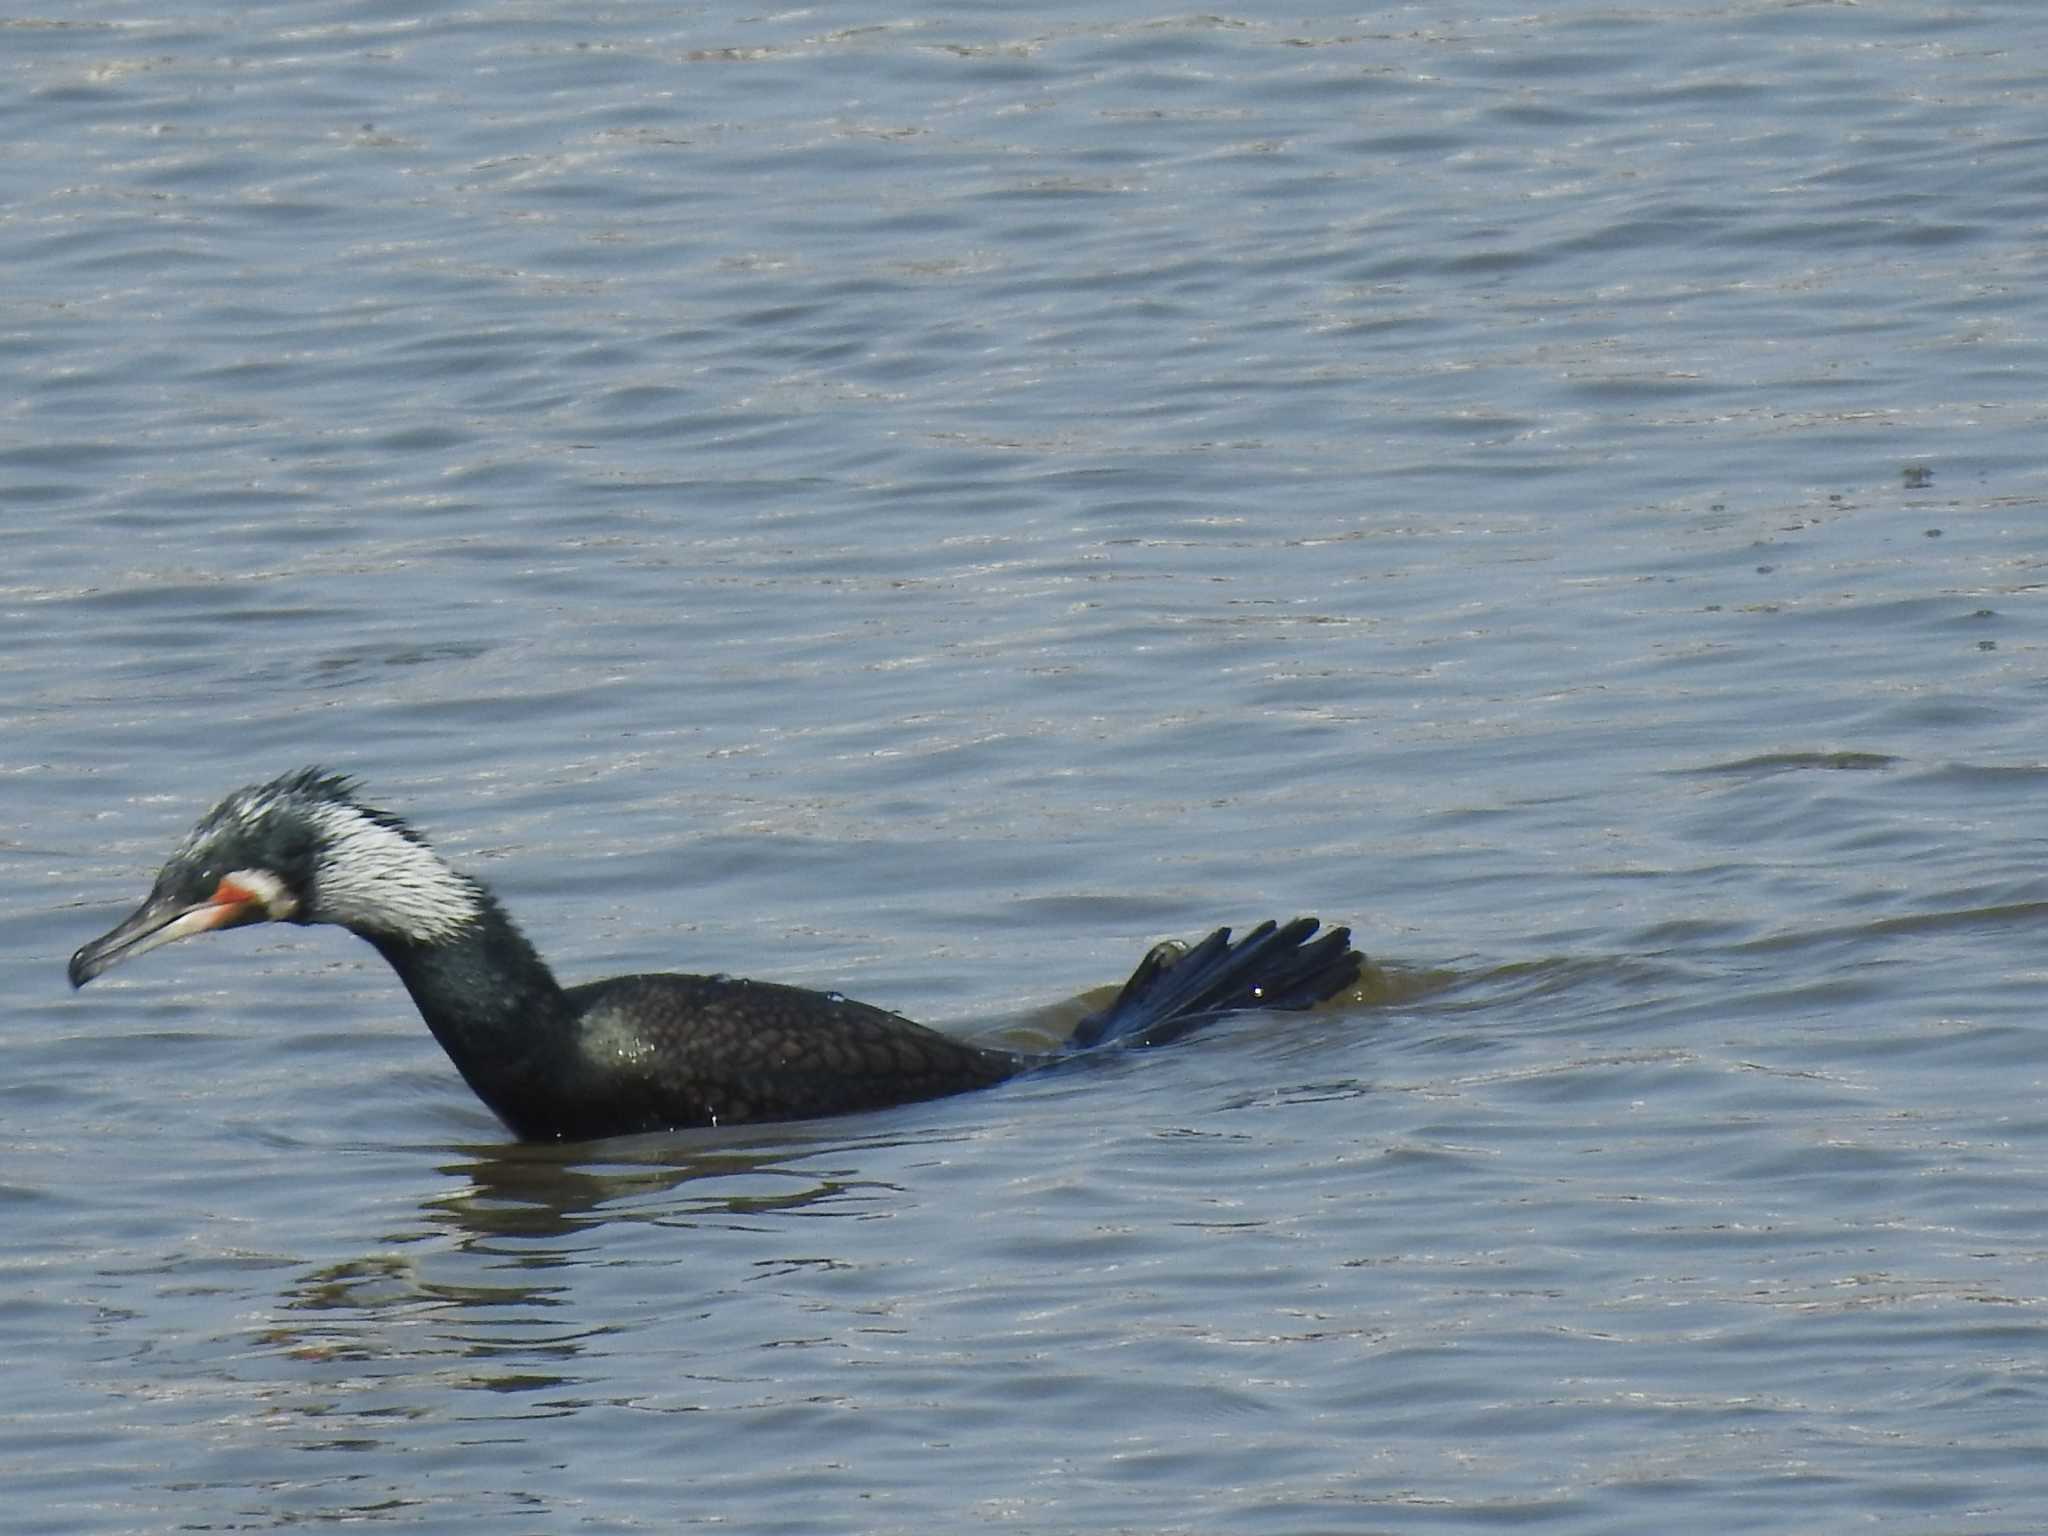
(734, 1050)
(649, 1052)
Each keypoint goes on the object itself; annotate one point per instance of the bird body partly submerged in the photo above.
(637, 1053)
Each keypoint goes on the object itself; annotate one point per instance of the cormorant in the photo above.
(647, 1052)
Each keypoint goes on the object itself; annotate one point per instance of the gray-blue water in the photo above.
(928, 505)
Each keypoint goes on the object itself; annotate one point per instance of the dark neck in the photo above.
(495, 1007)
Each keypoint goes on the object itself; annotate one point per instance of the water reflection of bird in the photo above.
(647, 1052)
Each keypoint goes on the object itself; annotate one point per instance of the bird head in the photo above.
(299, 849)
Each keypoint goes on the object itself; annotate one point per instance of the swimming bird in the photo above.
(644, 1052)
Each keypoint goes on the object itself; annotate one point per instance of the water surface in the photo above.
(929, 506)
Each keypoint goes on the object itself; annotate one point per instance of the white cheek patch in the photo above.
(264, 888)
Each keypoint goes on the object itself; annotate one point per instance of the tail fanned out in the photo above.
(1172, 993)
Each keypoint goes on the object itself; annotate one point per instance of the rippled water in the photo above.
(929, 506)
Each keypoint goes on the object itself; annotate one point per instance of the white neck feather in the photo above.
(372, 878)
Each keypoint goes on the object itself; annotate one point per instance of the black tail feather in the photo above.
(1172, 993)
